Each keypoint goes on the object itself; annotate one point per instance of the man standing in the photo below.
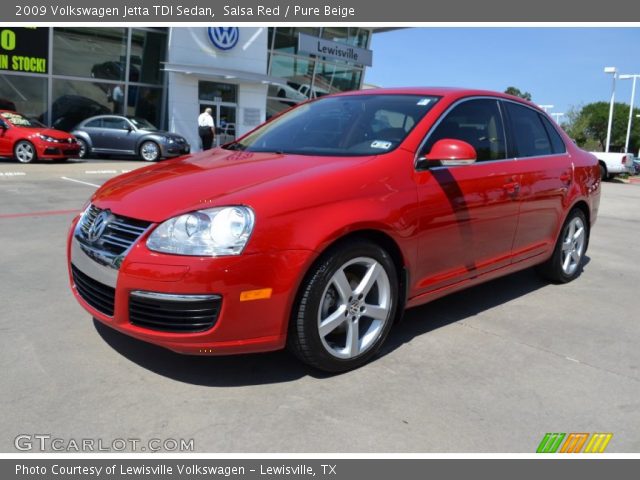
(117, 97)
(206, 128)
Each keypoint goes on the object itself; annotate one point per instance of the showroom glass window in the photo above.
(477, 122)
(94, 52)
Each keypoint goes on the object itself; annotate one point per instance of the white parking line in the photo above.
(80, 181)
(12, 174)
(95, 172)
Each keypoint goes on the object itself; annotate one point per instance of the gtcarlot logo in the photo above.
(49, 443)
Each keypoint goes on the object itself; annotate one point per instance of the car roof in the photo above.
(451, 93)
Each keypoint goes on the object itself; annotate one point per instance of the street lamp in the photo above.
(556, 116)
(546, 107)
(633, 96)
(613, 71)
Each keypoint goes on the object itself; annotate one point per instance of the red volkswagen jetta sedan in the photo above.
(317, 229)
(26, 140)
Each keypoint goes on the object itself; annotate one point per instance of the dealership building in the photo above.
(168, 76)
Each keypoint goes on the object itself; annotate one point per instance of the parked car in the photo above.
(27, 140)
(636, 165)
(614, 163)
(317, 229)
(120, 135)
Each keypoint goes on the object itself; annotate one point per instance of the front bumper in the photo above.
(174, 150)
(53, 151)
(241, 326)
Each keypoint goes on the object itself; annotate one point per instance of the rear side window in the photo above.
(529, 134)
(477, 122)
(114, 123)
(556, 141)
(94, 123)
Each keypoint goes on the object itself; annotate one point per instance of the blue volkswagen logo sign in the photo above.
(224, 38)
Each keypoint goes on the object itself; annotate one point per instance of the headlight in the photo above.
(169, 140)
(47, 138)
(213, 232)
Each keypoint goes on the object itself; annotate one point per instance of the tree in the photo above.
(588, 124)
(517, 93)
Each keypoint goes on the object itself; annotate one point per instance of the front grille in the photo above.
(99, 296)
(168, 315)
(119, 234)
(70, 152)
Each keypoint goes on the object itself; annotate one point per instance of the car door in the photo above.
(6, 139)
(115, 136)
(547, 173)
(468, 213)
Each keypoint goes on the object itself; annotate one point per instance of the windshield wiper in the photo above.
(235, 146)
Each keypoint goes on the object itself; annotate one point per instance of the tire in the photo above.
(568, 255)
(604, 175)
(25, 152)
(85, 151)
(345, 308)
(149, 151)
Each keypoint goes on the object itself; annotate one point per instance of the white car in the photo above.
(614, 163)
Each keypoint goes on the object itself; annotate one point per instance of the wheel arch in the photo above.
(378, 237)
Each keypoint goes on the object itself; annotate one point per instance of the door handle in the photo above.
(565, 177)
(512, 188)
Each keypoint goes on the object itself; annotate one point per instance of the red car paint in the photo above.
(64, 147)
(451, 227)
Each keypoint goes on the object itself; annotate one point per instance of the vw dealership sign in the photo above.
(224, 38)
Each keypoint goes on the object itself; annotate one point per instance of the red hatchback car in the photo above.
(317, 229)
(26, 140)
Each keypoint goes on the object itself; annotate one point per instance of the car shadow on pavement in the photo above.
(211, 371)
(463, 305)
(279, 367)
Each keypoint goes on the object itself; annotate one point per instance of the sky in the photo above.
(560, 66)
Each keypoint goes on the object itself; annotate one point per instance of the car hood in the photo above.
(49, 132)
(209, 179)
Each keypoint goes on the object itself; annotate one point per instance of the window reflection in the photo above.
(27, 95)
(96, 52)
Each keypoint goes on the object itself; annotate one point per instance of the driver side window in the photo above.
(477, 122)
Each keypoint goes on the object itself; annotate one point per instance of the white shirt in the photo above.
(205, 120)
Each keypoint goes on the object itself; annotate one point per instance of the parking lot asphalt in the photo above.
(490, 369)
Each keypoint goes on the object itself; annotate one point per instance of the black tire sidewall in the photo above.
(305, 322)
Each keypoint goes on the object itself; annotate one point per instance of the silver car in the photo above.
(125, 136)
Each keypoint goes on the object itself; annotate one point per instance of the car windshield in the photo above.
(349, 125)
(19, 120)
(142, 124)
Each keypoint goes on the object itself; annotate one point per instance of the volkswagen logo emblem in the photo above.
(99, 226)
(224, 38)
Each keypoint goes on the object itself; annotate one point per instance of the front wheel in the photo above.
(346, 307)
(25, 152)
(568, 256)
(149, 151)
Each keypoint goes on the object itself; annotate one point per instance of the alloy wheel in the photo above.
(573, 245)
(355, 308)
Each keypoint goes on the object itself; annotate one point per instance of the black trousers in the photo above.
(206, 136)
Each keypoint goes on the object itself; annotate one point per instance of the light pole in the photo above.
(633, 97)
(546, 107)
(556, 116)
(613, 96)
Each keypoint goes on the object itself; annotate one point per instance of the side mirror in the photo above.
(449, 152)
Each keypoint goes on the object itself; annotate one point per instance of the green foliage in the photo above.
(517, 93)
(587, 125)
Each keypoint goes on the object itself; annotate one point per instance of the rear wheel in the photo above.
(346, 307)
(604, 174)
(149, 151)
(568, 256)
(84, 149)
(25, 152)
